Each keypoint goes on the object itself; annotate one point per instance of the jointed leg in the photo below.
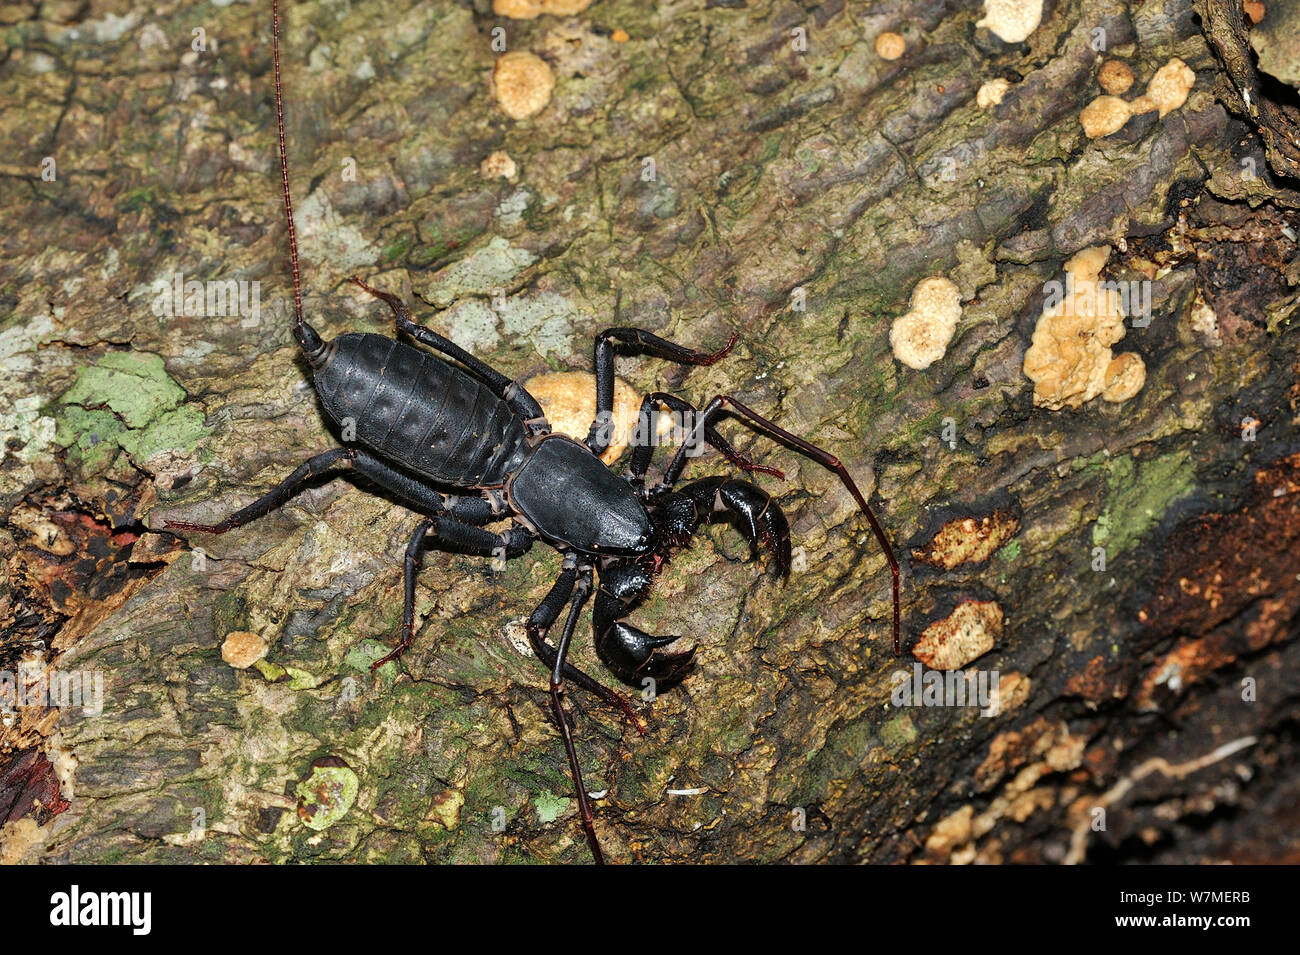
(425, 499)
(474, 510)
(642, 343)
(274, 498)
(461, 537)
(520, 401)
(581, 591)
(547, 612)
(721, 403)
(647, 432)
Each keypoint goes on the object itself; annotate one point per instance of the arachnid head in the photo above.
(571, 498)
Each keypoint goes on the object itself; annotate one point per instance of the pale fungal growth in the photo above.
(1070, 361)
(1012, 691)
(1166, 92)
(1012, 20)
(1115, 77)
(1168, 89)
(242, 649)
(991, 93)
(966, 634)
(1125, 376)
(523, 84)
(920, 337)
(967, 540)
(532, 9)
(498, 165)
(890, 46)
(1142, 104)
(569, 400)
(1104, 115)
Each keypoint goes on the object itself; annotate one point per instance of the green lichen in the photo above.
(176, 430)
(125, 400)
(549, 806)
(1138, 495)
(397, 249)
(365, 653)
(491, 267)
(326, 795)
(899, 732)
(135, 386)
(91, 437)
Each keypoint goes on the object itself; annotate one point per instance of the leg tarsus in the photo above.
(414, 554)
(547, 612)
(274, 498)
(581, 591)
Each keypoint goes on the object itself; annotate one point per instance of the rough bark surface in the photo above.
(797, 196)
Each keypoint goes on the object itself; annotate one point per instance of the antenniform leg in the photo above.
(636, 342)
(722, 403)
(648, 431)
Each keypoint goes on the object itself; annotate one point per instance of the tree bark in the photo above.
(732, 166)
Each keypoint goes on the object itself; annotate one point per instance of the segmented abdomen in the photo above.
(420, 412)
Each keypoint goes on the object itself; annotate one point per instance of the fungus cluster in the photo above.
(890, 46)
(991, 93)
(1012, 21)
(522, 83)
(968, 540)
(969, 632)
(1108, 113)
(532, 9)
(1070, 360)
(242, 649)
(498, 165)
(1115, 77)
(569, 400)
(920, 337)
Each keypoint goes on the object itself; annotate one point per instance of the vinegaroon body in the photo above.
(465, 446)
